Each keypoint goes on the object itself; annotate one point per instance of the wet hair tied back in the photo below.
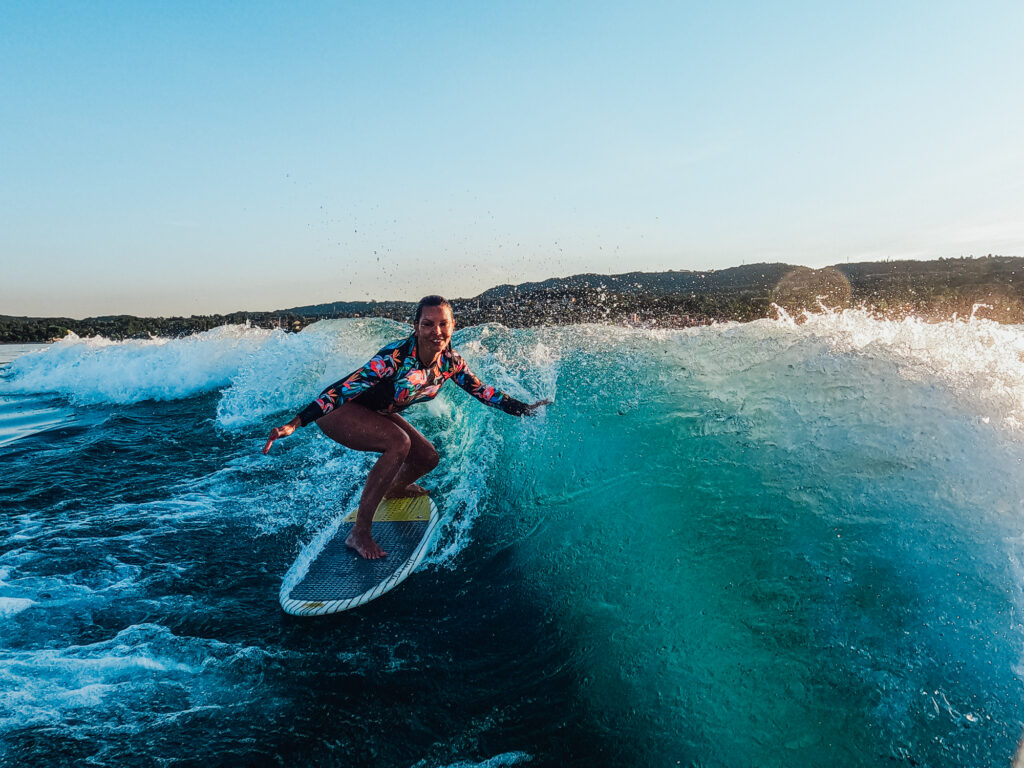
(430, 301)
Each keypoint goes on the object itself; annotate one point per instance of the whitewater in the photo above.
(788, 542)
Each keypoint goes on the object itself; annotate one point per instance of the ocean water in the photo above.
(770, 544)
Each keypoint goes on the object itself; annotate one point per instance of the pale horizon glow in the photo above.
(194, 158)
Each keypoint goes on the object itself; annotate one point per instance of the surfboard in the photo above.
(328, 577)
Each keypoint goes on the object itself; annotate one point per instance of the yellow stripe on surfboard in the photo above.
(408, 510)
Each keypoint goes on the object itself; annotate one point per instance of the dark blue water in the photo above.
(766, 544)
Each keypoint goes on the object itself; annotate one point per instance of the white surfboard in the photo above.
(329, 577)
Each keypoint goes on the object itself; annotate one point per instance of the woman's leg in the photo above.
(361, 429)
(422, 458)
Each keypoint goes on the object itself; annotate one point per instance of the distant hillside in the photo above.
(588, 297)
(396, 309)
(675, 298)
(754, 278)
(933, 290)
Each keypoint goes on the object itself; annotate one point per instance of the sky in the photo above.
(162, 158)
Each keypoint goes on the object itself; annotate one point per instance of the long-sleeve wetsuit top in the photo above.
(395, 378)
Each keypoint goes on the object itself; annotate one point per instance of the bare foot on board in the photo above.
(404, 493)
(363, 543)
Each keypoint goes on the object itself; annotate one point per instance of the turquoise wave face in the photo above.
(771, 548)
(771, 544)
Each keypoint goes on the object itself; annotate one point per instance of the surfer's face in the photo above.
(434, 330)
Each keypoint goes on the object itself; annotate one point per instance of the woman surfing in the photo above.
(361, 411)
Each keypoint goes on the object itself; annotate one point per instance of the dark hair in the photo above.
(430, 301)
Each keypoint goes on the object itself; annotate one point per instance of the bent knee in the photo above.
(399, 442)
(431, 459)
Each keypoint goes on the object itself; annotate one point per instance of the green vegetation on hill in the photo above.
(23, 330)
(934, 290)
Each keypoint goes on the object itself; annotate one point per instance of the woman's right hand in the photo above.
(278, 432)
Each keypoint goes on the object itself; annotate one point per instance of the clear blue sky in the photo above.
(194, 157)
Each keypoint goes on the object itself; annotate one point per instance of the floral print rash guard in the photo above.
(395, 378)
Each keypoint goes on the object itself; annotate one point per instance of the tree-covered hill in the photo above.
(939, 289)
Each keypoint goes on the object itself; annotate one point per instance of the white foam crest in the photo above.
(98, 370)
(523, 362)
(292, 369)
(39, 687)
(28, 579)
(128, 673)
(9, 606)
(981, 360)
(48, 592)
